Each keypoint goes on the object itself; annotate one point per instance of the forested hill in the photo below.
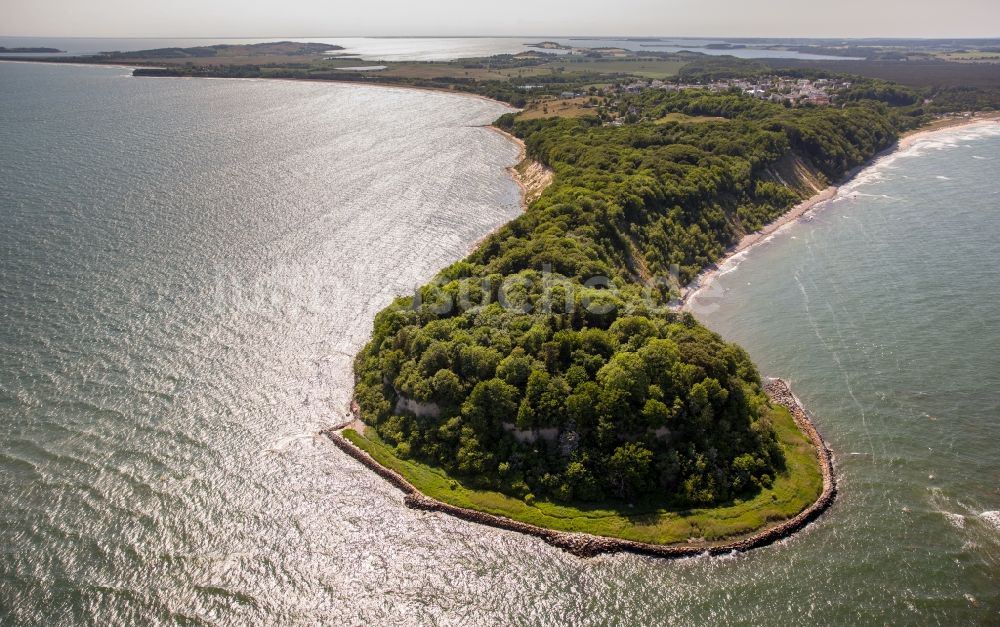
(674, 193)
(548, 364)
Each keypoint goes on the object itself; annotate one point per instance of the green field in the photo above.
(557, 107)
(644, 67)
(977, 56)
(793, 491)
(444, 69)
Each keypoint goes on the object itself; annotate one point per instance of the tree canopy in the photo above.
(547, 362)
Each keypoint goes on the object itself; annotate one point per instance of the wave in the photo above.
(956, 520)
(733, 263)
(875, 173)
(283, 443)
(920, 145)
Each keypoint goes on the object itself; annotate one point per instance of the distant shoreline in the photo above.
(706, 277)
(530, 176)
(29, 50)
(72, 61)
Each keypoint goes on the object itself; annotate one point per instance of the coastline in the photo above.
(373, 83)
(706, 277)
(530, 175)
(69, 63)
(587, 545)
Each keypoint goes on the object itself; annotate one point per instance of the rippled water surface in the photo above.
(883, 309)
(188, 266)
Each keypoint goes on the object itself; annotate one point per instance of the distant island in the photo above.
(227, 52)
(4, 50)
(549, 45)
(724, 46)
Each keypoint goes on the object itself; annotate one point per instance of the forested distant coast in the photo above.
(4, 50)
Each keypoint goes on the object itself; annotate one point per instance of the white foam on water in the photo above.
(944, 139)
(872, 174)
(281, 444)
(734, 262)
(991, 517)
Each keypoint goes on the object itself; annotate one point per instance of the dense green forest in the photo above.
(547, 362)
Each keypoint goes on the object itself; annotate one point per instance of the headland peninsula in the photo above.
(548, 380)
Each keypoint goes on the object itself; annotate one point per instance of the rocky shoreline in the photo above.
(586, 545)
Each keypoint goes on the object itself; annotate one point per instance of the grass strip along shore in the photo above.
(793, 503)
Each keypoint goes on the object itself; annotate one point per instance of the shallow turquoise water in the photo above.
(188, 266)
(883, 309)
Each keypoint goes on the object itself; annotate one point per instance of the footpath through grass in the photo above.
(791, 492)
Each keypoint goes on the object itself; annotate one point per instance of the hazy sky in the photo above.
(301, 18)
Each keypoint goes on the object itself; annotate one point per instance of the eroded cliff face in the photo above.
(797, 173)
(415, 407)
(533, 177)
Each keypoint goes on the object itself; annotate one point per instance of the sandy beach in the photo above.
(531, 177)
(747, 242)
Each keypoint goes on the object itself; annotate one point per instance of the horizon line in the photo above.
(587, 37)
